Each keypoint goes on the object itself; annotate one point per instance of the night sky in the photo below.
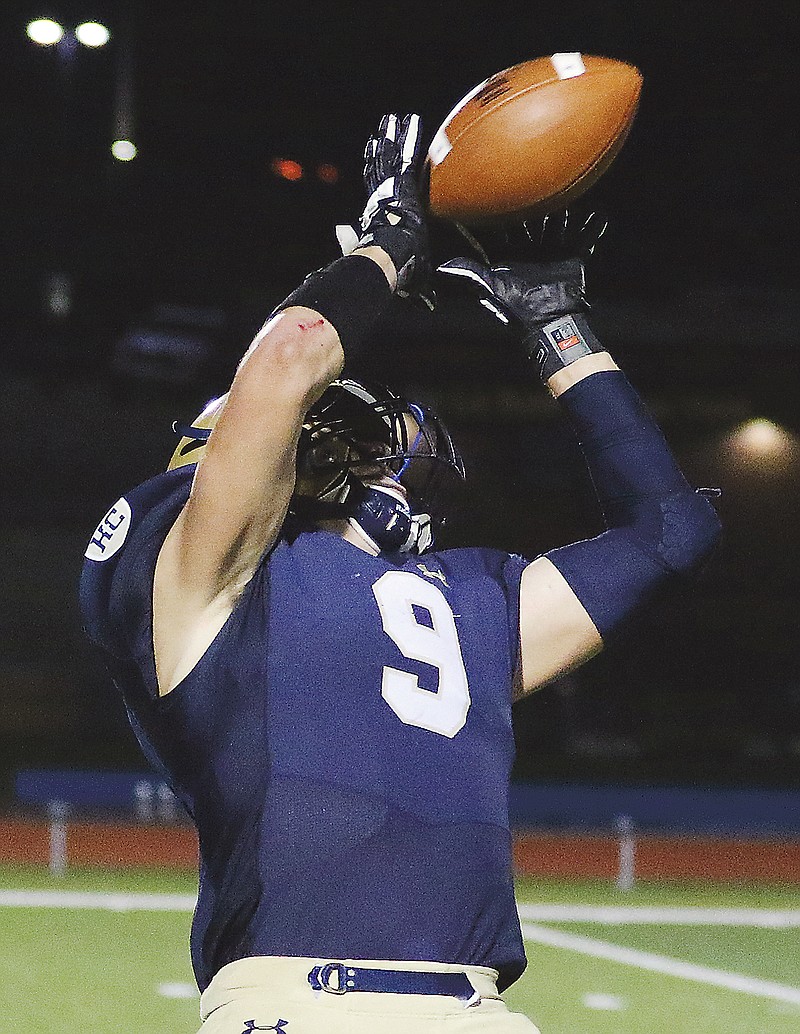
(695, 292)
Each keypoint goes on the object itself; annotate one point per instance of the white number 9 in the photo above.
(442, 710)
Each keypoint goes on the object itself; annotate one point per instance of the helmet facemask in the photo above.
(355, 443)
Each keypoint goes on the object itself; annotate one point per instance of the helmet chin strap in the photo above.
(382, 513)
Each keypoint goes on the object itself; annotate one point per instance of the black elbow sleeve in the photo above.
(352, 293)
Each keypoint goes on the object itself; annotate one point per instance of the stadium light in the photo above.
(761, 438)
(761, 448)
(124, 150)
(45, 32)
(92, 34)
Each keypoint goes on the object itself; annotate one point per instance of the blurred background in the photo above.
(171, 170)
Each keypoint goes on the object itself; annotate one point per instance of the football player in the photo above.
(329, 695)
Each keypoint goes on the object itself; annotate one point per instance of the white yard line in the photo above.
(767, 919)
(764, 918)
(108, 901)
(661, 964)
(551, 913)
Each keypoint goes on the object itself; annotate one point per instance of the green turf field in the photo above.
(706, 970)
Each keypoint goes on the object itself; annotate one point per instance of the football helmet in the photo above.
(387, 464)
(365, 454)
(194, 436)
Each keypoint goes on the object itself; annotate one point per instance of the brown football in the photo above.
(531, 138)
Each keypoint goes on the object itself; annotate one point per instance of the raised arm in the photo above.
(244, 482)
(659, 530)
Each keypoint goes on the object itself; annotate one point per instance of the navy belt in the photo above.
(338, 978)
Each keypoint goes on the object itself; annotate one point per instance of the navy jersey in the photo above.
(343, 746)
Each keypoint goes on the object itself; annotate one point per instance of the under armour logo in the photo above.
(279, 1027)
(433, 574)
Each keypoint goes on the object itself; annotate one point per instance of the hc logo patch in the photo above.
(111, 532)
(280, 1026)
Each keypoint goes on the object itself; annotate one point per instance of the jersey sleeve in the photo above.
(512, 566)
(117, 579)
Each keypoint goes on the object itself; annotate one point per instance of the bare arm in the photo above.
(556, 633)
(241, 489)
(245, 478)
(243, 484)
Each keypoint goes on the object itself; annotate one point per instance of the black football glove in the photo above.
(545, 299)
(393, 218)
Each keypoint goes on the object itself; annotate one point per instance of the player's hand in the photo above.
(534, 295)
(565, 234)
(528, 294)
(551, 278)
(393, 218)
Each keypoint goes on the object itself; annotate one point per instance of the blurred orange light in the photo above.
(287, 169)
(327, 173)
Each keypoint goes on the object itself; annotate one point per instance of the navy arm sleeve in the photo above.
(660, 529)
